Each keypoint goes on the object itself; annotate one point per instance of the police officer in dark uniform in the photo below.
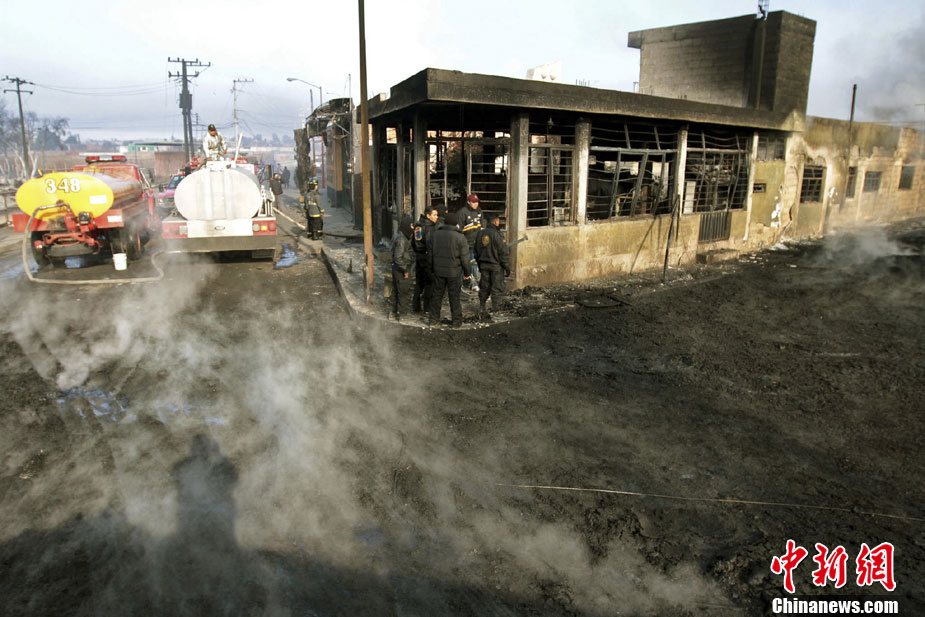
(494, 258)
(402, 261)
(423, 277)
(449, 260)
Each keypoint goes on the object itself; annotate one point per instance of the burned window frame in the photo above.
(872, 181)
(470, 149)
(717, 168)
(813, 183)
(631, 169)
(906, 177)
(551, 156)
(852, 182)
(771, 147)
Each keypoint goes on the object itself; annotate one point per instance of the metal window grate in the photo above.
(549, 186)
(872, 181)
(715, 226)
(852, 181)
(771, 146)
(631, 169)
(813, 181)
(715, 180)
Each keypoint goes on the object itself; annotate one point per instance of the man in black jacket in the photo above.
(449, 260)
(494, 257)
(402, 261)
(276, 187)
(423, 277)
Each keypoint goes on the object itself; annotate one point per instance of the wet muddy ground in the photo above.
(227, 441)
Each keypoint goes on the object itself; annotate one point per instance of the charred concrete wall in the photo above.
(722, 61)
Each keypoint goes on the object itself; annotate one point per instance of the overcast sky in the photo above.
(104, 65)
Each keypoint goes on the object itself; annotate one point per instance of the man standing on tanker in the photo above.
(213, 145)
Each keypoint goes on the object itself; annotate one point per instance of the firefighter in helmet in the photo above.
(313, 210)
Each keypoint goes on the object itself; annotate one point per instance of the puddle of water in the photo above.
(288, 257)
(371, 536)
(12, 272)
(106, 405)
(103, 404)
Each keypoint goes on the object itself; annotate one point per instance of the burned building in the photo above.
(715, 153)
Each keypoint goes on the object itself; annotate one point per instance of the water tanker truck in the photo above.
(221, 207)
(106, 204)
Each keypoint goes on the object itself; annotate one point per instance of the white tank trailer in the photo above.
(221, 207)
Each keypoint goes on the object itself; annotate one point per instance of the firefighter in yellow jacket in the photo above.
(314, 213)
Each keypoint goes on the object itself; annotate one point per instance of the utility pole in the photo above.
(186, 99)
(844, 197)
(26, 164)
(234, 89)
(763, 7)
(364, 154)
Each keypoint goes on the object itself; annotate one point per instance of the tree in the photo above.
(50, 133)
(42, 133)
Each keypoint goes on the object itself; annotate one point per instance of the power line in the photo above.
(22, 123)
(234, 90)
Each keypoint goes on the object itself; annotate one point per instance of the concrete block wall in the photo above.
(788, 60)
(700, 62)
(717, 61)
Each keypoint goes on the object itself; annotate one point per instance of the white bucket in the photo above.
(119, 260)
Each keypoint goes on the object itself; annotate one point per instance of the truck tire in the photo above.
(39, 254)
(131, 241)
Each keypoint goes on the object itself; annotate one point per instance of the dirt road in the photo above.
(227, 441)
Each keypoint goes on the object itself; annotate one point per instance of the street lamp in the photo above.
(311, 92)
(311, 97)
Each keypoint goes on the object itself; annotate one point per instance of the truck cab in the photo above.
(163, 201)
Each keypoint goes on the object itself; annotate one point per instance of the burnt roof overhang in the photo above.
(442, 86)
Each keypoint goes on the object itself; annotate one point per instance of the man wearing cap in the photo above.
(213, 145)
(471, 221)
(449, 260)
(494, 257)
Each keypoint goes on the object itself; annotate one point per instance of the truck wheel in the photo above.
(39, 254)
(131, 240)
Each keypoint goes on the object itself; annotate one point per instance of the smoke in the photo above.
(860, 247)
(892, 91)
(263, 449)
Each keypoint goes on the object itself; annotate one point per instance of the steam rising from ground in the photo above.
(302, 435)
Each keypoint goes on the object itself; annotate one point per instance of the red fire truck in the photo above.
(105, 204)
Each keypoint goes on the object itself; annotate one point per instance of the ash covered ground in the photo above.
(227, 441)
